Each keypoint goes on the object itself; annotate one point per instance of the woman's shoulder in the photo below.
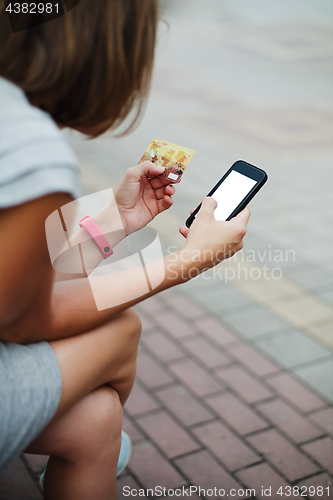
(32, 150)
(21, 121)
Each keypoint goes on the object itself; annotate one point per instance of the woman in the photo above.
(67, 369)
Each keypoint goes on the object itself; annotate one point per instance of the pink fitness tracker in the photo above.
(91, 227)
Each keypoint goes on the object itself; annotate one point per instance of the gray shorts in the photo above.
(30, 389)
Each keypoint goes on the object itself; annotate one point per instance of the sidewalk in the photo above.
(210, 409)
(234, 385)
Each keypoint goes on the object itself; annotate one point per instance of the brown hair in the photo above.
(88, 68)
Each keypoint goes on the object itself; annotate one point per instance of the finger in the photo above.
(207, 207)
(165, 203)
(192, 211)
(242, 217)
(160, 181)
(165, 190)
(184, 231)
(146, 168)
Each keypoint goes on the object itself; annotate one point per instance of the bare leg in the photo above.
(83, 437)
(105, 355)
(84, 447)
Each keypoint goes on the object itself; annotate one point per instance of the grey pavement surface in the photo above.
(249, 80)
(234, 385)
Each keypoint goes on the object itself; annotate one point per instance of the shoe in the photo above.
(125, 452)
(124, 458)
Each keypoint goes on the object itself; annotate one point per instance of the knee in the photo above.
(133, 323)
(97, 433)
(130, 328)
(130, 332)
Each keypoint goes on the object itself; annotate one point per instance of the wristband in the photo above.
(96, 234)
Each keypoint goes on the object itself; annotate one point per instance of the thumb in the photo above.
(147, 168)
(184, 231)
(207, 207)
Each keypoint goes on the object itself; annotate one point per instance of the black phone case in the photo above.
(244, 202)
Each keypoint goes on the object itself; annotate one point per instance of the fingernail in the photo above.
(161, 169)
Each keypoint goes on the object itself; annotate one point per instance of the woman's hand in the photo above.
(142, 194)
(209, 241)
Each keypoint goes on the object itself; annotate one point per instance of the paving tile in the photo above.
(253, 321)
(205, 280)
(253, 360)
(214, 329)
(151, 305)
(16, 484)
(324, 418)
(269, 290)
(325, 293)
(208, 354)
(221, 298)
(232, 452)
(319, 377)
(204, 471)
(151, 373)
(323, 333)
(195, 377)
(311, 277)
(184, 494)
(146, 321)
(140, 401)
(290, 422)
(262, 478)
(284, 456)
(238, 415)
(173, 324)
(186, 307)
(187, 409)
(125, 485)
(322, 451)
(131, 430)
(249, 388)
(162, 347)
(301, 309)
(292, 348)
(152, 469)
(36, 462)
(311, 485)
(167, 434)
(295, 392)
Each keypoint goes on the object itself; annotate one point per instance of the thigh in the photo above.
(100, 356)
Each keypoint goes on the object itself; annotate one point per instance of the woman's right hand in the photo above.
(208, 241)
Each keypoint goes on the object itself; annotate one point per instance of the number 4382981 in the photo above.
(32, 8)
(303, 491)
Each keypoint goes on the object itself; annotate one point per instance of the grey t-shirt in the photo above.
(35, 159)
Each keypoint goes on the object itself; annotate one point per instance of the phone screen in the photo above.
(234, 190)
(230, 193)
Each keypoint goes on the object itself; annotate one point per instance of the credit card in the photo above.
(174, 158)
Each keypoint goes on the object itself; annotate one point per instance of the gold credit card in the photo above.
(174, 158)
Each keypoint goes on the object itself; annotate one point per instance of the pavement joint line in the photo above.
(201, 400)
(217, 417)
(235, 394)
(191, 357)
(98, 172)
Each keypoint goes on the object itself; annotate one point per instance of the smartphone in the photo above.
(234, 191)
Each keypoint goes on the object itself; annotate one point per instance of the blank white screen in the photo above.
(231, 192)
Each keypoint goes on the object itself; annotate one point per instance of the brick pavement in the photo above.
(234, 381)
(210, 410)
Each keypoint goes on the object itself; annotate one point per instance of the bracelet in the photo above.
(96, 234)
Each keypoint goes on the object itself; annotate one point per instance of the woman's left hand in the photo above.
(142, 194)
